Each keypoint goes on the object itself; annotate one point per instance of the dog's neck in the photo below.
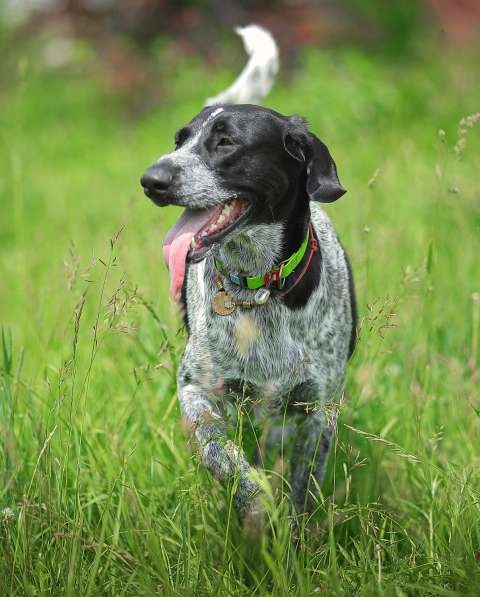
(254, 250)
(257, 248)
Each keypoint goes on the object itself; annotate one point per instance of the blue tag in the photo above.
(234, 278)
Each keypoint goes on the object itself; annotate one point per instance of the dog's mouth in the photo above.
(192, 236)
(223, 220)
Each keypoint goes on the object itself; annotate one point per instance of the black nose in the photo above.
(158, 178)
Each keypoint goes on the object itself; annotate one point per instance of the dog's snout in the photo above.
(158, 178)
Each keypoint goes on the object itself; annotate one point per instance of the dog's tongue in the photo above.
(177, 244)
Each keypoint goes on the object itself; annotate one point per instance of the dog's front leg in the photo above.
(221, 456)
(309, 459)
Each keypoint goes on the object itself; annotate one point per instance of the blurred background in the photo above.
(116, 39)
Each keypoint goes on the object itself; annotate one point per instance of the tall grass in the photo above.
(100, 492)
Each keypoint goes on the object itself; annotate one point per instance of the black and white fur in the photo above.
(289, 355)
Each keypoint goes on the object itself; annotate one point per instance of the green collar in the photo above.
(277, 274)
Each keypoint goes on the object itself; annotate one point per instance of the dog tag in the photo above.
(222, 304)
(262, 296)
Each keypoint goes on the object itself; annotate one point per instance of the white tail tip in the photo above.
(256, 79)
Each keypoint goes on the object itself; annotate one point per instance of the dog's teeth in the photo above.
(192, 243)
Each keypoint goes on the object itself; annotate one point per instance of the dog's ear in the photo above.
(322, 182)
(322, 178)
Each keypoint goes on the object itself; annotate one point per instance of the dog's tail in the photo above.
(256, 79)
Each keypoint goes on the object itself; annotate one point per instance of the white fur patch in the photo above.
(212, 115)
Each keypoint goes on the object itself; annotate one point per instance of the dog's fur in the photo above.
(289, 354)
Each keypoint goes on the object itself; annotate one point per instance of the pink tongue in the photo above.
(177, 244)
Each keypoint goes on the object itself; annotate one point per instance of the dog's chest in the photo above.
(257, 345)
(271, 347)
(266, 346)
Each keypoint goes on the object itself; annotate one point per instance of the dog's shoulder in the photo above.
(326, 233)
(337, 271)
(334, 268)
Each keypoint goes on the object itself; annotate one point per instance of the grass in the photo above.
(99, 490)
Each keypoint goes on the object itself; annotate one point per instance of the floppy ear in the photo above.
(322, 179)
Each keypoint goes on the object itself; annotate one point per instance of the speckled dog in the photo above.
(265, 284)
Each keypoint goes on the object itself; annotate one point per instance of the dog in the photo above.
(266, 287)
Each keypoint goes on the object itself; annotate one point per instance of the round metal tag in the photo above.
(222, 304)
(262, 296)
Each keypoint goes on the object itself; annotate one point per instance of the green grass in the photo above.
(100, 492)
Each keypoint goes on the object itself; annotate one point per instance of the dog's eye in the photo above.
(225, 142)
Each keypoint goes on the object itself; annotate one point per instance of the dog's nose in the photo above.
(159, 177)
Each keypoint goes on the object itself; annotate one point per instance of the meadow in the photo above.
(100, 492)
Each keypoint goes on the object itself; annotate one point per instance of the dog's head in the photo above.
(234, 166)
